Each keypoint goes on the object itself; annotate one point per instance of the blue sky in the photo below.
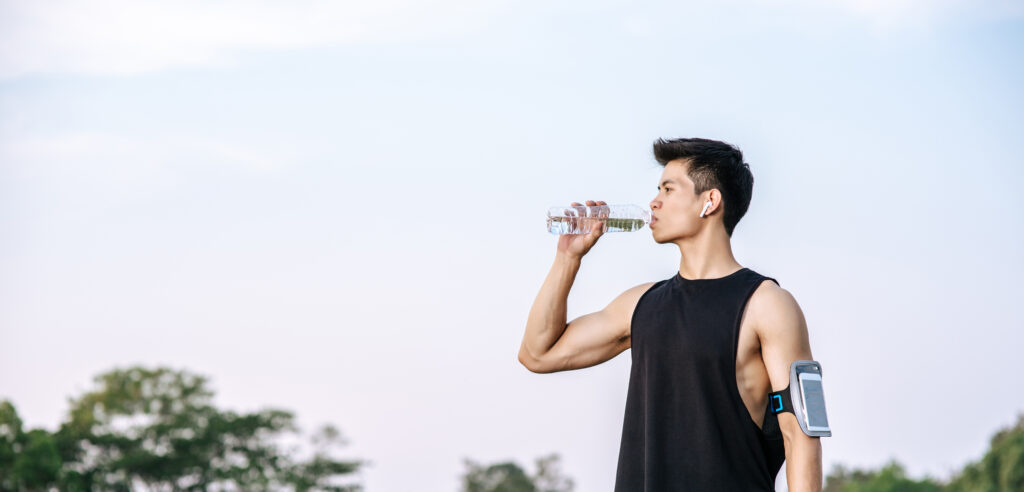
(337, 209)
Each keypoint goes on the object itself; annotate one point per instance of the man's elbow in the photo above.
(536, 365)
(527, 361)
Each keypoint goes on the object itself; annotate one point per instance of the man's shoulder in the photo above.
(625, 304)
(631, 296)
(771, 307)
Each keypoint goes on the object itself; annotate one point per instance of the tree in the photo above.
(28, 460)
(890, 478)
(1002, 467)
(510, 477)
(158, 428)
(549, 478)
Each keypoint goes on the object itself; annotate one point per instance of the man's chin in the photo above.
(662, 238)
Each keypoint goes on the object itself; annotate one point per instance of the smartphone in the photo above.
(814, 402)
(811, 403)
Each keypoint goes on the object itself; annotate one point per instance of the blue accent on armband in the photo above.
(778, 399)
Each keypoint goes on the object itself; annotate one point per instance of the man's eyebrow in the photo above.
(668, 181)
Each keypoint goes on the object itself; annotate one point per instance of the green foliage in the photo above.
(37, 463)
(1000, 470)
(159, 428)
(890, 478)
(1002, 467)
(549, 478)
(510, 477)
(10, 432)
(316, 473)
(28, 460)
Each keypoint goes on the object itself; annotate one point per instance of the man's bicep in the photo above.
(596, 337)
(784, 339)
(783, 332)
(590, 340)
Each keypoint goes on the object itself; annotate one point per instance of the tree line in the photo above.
(158, 430)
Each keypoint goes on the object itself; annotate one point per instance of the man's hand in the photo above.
(576, 245)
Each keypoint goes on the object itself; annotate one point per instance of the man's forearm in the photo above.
(803, 464)
(547, 319)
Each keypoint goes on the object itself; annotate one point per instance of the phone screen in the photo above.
(814, 401)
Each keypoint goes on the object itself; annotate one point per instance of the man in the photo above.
(708, 345)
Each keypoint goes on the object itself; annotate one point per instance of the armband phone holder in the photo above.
(803, 397)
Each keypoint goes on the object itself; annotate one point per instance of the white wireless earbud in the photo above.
(706, 205)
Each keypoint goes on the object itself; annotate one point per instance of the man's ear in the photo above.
(715, 197)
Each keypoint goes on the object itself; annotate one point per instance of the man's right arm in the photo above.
(552, 345)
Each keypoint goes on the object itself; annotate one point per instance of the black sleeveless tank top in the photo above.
(686, 427)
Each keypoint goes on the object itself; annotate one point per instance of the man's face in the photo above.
(675, 210)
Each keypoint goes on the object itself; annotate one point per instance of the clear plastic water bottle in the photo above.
(581, 219)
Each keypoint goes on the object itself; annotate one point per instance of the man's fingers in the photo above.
(589, 215)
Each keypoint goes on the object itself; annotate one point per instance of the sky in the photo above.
(335, 208)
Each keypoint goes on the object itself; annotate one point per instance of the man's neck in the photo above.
(707, 255)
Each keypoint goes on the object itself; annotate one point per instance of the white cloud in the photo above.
(127, 37)
(898, 14)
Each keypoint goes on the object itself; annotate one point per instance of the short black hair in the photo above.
(713, 164)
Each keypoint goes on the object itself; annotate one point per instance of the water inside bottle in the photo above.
(583, 225)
